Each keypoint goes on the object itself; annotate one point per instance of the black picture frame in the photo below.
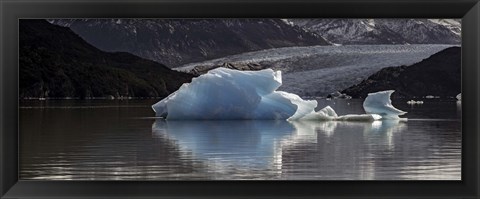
(11, 11)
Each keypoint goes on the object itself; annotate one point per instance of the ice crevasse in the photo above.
(226, 94)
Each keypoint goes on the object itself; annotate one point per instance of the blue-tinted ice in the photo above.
(226, 94)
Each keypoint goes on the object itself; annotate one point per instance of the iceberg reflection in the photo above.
(385, 130)
(239, 142)
(258, 144)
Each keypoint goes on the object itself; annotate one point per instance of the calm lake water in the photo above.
(121, 140)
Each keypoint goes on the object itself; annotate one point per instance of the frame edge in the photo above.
(6, 182)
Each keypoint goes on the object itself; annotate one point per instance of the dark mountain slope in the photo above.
(438, 75)
(179, 41)
(55, 62)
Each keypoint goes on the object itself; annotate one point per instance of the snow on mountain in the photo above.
(453, 24)
(178, 41)
(383, 31)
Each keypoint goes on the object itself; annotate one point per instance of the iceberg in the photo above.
(226, 94)
(380, 103)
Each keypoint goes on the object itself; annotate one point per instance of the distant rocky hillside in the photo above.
(174, 42)
(54, 62)
(202, 69)
(438, 75)
(383, 31)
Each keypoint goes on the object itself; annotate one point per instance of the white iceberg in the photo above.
(380, 103)
(226, 94)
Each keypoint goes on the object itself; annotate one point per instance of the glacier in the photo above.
(334, 68)
(226, 94)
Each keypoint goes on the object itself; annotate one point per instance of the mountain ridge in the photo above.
(174, 42)
(54, 62)
(383, 31)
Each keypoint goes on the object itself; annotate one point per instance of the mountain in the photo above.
(383, 31)
(55, 62)
(438, 75)
(179, 41)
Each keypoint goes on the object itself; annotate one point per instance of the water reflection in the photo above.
(386, 129)
(111, 141)
(241, 143)
(260, 145)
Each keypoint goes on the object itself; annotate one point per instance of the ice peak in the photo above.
(380, 103)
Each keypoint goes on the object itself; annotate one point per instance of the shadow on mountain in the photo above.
(438, 75)
(54, 62)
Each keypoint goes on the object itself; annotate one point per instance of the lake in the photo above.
(122, 140)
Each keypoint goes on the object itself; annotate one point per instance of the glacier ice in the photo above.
(328, 113)
(226, 94)
(380, 103)
(230, 94)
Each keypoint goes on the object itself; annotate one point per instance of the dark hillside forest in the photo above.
(55, 62)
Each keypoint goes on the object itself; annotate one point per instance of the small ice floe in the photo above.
(414, 102)
(432, 97)
(377, 106)
(338, 95)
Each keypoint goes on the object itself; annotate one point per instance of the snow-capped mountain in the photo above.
(383, 31)
(178, 41)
